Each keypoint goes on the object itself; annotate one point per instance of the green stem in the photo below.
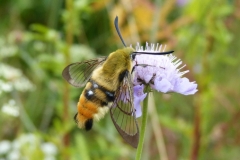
(66, 95)
(143, 129)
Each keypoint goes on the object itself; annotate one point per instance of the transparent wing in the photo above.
(77, 74)
(123, 113)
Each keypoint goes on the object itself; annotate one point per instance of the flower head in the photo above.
(161, 72)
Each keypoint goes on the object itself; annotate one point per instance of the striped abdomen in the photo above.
(93, 104)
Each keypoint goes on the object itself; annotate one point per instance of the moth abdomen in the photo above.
(93, 104)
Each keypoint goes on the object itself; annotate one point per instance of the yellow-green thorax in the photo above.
(116, 63)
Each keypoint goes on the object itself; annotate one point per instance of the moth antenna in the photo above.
(118, 31)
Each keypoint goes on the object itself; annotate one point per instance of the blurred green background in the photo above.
(39, 38)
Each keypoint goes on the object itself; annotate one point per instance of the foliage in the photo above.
(39, 38)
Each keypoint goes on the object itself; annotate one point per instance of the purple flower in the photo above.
(139, 96)
(161, 72)
(182, 3)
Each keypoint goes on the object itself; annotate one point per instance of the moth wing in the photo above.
(78, 74)
(123, 113)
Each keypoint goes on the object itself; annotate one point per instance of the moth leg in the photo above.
(143, 65)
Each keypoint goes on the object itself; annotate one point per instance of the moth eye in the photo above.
(133, 55)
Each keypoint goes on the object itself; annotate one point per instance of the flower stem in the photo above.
(157, 130)
(143, 128)
(69, 41)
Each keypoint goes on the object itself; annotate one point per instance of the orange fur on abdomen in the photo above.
(86, 110)
(93, 104)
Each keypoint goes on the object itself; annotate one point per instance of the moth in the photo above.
(108, 87)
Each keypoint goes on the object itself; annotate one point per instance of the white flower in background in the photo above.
(30, 140)
(7, 49)
(9, 72)
(26, 146)
(13, 78)
(5, 86)
(11, 108)
(50, 150)
(14, 155)
(5, 146)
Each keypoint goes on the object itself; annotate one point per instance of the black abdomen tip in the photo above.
(89, 124)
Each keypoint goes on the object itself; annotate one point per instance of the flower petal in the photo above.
(138, 109)
(162, 85)
(139, 96)
(185, 87)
